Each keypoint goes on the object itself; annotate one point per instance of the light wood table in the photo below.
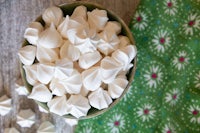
(15, 15)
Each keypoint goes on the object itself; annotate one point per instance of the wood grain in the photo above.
(15, 15)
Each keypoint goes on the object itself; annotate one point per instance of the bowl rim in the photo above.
(132, 73)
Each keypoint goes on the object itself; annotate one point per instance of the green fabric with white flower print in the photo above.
(165, 93)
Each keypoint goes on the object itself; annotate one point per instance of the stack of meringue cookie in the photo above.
(76, 62)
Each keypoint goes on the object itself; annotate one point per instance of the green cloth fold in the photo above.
(165, 93)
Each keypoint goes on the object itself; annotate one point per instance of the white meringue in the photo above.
(78, 105)
(5, 105)
(57, 88)
(108, 42)
(73, 83)
(100, 99)
(32, 32)
(84, 92)
(69, 51)
(109, 69)
(113, 26)
(50, 38)
(92, 78)
(79, 11)
(124, 41)
(42, 109)
(26, 118)
(40, 93)
(27, 54)
(86, 40)
(131, 51)
(63, 68)
(47, 55)
(58, 105)
(89, 59)
(45, 72)
(123, 59)
(97, 19)
(21, 89)
(11, 130)
(52, 15)
(116, 87)
(31, 74)
(46, 127)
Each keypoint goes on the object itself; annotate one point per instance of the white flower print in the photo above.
(194, 114)
(172, 97)
(116, 123)
(146, 112)
(170, 7)
(191, 24)
(153, 76)
(168, 128)
(181, 60)
(140, 20)
(128, 94)
(87, 129)
(161, 41)
(197, 80)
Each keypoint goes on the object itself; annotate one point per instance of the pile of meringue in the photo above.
(76, 62)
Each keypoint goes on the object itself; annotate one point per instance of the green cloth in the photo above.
(165, 93)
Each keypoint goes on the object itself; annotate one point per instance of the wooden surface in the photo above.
(15, 15)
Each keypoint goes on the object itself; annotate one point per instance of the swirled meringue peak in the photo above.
(52, 15)
(45, 72)
(80, 11)
(92, 78)
(116, 87)
(97, 19)
(32, 32)
(113, 26)
(41, 93)
(26, 118)
(73, 83)
(99, 99)
(108, 42)
(46, 127)
(86, 40)
(109, 69)
(57, 88)
(50, 38)
(27, 54)
(58, 105)
(78, 105)
(31, 74)
(63, 68)
(124, 41)
(89, 59)
(69, 51)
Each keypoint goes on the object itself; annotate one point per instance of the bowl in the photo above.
(68, 9)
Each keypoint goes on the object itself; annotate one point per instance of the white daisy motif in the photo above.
(161, 41)
(194, 114)
(168, 128)
(87, 130)
(170, 7)
(181, 60)
(128, 94)
(140, 20)
(146, 112)
(153, 76)
(192, 23)
(197, 80)
(172, 97)
(116, 123)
